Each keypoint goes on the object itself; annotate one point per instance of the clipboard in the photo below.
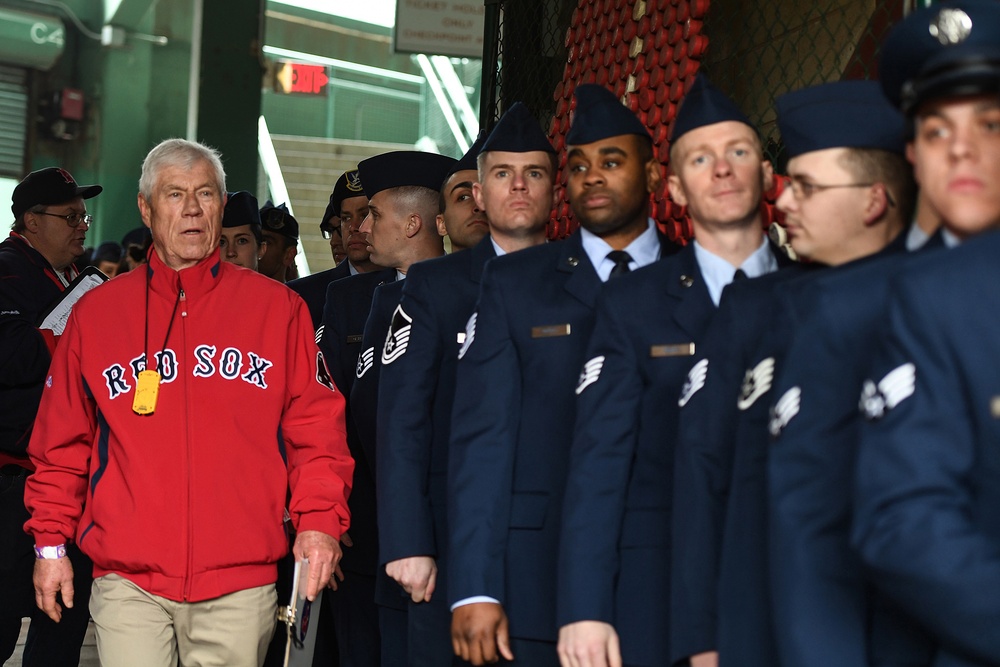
(57, 313)
(300, 619)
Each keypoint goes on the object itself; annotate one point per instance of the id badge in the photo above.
(147, 389)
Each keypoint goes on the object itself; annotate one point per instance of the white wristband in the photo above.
(50, 553)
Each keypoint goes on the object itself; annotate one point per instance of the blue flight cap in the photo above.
(241, 209)
(945, 50)
(843, 114)
(468, 161)
(705, 105)
(599, 115)
(517, 131)
(404, 168)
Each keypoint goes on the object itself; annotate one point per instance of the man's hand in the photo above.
(479, 633)
(706, 659)
(323, 553)
(416, 574)
(589, 644)
(53, 576)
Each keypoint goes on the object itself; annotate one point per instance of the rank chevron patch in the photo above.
(398, 337)
(897, 386)
(366, 361)
(590, 373)
(782, 412)
(695, 381)
(756, 383)
(470, 335)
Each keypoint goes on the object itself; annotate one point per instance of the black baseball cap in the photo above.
(51, 185)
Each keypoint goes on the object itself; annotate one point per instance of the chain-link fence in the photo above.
(648, 52)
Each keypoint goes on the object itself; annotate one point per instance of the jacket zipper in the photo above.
(187, 450)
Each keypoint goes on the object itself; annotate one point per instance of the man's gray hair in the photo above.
(179, 153)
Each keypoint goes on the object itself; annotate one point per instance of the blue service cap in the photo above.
(279, 219)
(704, 104)
(241, 209)
(468, 161)
(599, 115)
(347, 186)
(404, 168)
(842, 114)
(517, 131)
(946, 50)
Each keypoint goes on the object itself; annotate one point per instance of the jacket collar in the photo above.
(195, 280)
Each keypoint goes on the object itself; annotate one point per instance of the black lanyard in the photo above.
(170, 325)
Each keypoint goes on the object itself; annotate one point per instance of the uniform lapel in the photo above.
(580, 276)
(480, 253)
(686, 285)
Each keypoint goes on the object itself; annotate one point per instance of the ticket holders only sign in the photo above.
(440, 27)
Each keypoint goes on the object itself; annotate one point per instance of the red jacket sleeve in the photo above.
(60, 447)
(319, 463)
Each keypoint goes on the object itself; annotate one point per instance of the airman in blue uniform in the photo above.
(926, 518)
(417, 387)
(615, 551)
(514, 398)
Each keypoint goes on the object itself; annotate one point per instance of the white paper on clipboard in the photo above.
(301, 642)
(57, 315)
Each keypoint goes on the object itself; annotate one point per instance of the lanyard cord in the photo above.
(170, 325)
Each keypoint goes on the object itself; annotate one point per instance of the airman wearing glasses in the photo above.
(332, 231)
(36, 265)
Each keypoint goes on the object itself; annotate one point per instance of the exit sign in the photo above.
(301, 78)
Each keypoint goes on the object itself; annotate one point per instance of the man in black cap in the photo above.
(417, 384)
(241, 242)
(341, 221)
(281, 237)
(648, 326)
(514, 398)
(461, 219)
(926, 505)
(402, 189)
(36, 265)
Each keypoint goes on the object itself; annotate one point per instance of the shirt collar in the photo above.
(916, 237)
(950, 240)
(718, 273)
(499, 251)
(352, 268)
(644, 249)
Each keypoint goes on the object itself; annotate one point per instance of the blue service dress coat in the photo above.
(927, 501)
(512, 427)
(724, 408)
(821, 601)
(312, 289)
(374, 345)
(348, 303)
(615, 544)
(416, 393)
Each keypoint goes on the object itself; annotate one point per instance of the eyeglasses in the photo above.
(328, 231)
(73, 219)
(803, 190)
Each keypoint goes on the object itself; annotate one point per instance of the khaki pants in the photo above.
(137, 628)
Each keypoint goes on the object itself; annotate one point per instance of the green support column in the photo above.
(229, 92)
